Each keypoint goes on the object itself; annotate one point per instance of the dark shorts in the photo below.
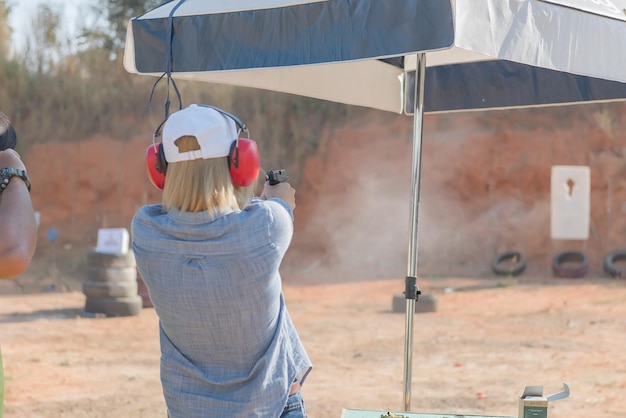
(294, 407)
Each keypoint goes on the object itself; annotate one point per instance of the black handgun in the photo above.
(276, 176)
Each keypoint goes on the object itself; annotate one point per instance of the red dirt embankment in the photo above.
(485, 189)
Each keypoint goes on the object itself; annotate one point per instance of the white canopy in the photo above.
(522, 52)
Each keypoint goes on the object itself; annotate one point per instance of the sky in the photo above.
(23, 12)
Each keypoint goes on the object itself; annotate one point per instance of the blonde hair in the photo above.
(199, 185)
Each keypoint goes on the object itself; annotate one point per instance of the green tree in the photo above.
(116, 13)
(5, 30)
(43, 44)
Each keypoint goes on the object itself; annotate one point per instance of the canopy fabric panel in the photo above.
(361, 83)
(545, 34)
(301, 34)
(500, 84)
(486, 54)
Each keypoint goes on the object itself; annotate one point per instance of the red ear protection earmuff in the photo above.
(243, 159)
(243, 162)
(155, 161)
(156, 165)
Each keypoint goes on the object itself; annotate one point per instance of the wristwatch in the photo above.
(7, 173)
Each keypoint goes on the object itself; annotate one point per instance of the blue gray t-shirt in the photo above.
(228, 345)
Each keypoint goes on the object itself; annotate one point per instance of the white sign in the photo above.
(112, 240)
(570, 202)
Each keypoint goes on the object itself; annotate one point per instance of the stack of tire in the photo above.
(110, 284)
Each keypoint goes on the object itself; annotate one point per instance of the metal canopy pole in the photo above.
(411, 290)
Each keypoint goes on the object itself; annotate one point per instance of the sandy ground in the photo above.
(487, 339)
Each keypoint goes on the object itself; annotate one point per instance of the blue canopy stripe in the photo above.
(304, 34)
(502, 84)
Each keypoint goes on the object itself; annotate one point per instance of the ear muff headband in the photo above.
(243, 158)
(242, 126)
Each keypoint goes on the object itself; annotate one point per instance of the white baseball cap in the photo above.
(214, 131)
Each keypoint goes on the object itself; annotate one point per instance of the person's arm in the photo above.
(18, 229)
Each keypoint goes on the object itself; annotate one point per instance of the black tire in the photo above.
(98, 259)
(609, 263)
(100, 290)
(570, 264)
(114, 306)
(111, 274)
(515, 267)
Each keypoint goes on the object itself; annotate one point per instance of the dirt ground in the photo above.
(486, 340)
(485, 189)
